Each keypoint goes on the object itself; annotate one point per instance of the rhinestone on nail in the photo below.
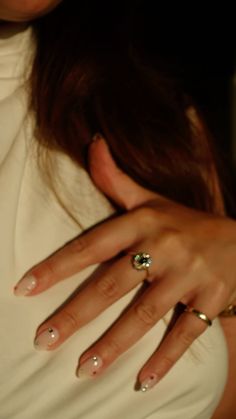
(95, 361)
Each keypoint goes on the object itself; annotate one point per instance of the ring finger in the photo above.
(189, 326)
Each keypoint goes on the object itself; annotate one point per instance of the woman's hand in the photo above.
(193, 262)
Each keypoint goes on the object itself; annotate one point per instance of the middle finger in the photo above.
(116, 280)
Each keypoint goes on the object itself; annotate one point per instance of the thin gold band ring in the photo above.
(229, 311)
(199, 314)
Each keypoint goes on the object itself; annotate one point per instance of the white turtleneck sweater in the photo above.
(43, 385)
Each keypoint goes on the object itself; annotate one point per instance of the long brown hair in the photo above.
(90, 76)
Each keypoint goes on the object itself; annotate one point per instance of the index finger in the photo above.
(98, 245)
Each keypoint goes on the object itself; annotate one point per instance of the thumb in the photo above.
(112, 181)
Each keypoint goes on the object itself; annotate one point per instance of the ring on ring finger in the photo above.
(199, 314)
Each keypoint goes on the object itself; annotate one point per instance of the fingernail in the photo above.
(149, 383)
(90, 368)
(46, 339)
(97, 137)
(25, 285)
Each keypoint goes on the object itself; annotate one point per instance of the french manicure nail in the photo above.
(46, 339)
(148, 383)
(90, 368)
(25, 285)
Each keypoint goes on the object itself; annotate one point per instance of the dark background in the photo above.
(201, 46)
(198, 40)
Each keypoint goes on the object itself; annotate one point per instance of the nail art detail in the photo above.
(25, 285)
(90, 367)
(149, 383)
(46, 339)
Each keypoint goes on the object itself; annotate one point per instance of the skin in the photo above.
(193, 249)
(25, 10)
(198, 273)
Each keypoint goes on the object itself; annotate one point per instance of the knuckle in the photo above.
(146, 215)
(175, 243)
(221, 289)
(171, 239)
(108, 286)
(78, 245)
(71, 319)
(195, 263)
(166, 364)
(146, 313)
(186, 336)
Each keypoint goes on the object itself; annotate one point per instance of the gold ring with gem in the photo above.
(141, 261)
